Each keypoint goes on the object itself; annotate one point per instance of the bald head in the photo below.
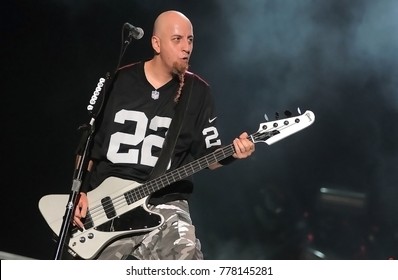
(166, 21)
(172, 42)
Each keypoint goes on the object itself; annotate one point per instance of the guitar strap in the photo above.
(174, 130)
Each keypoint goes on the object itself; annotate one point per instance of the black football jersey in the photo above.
(135, 119)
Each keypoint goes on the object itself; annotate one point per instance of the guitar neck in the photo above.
(269, 133)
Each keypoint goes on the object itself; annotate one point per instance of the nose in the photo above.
(187, 46)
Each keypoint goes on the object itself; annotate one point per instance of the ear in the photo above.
(156, 44)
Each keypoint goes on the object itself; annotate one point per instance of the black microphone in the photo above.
(136, 32)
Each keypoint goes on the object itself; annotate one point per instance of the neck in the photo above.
(156, 73)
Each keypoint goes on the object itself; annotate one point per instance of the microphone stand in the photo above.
(83, 149)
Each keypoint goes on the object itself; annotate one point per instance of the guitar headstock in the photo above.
(273, 131)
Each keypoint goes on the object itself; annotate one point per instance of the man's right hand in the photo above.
(80, 210)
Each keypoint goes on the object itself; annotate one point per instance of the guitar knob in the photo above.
(90, 235)
(82, 239)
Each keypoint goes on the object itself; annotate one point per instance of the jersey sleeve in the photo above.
(206, 137)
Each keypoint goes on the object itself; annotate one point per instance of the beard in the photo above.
(180, 68)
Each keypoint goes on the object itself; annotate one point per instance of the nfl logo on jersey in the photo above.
(155, 94)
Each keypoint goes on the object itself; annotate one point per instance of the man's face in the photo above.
(176, 44)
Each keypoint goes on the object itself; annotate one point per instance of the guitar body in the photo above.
(108, 215)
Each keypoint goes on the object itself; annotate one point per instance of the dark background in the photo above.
(330, 191)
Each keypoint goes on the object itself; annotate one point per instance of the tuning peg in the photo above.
(298, 110)
(277, 116)
(288, 113)
(266, 117)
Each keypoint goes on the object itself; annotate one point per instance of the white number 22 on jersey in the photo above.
(133, 155)
(145, 157)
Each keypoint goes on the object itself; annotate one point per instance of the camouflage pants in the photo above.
(175, 240)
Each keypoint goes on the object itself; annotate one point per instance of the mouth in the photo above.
(184, 61)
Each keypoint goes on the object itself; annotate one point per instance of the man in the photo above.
(132, 128)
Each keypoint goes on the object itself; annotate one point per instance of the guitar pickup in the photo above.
(109, 209)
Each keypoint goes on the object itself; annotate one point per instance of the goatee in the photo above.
(180, 69)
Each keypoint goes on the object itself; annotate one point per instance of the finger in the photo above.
(83, 210)
(251, 146)
(248, 145)
(245, 146)
(244, 135)
(77, 216)
(77, 222)
(239, 147)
